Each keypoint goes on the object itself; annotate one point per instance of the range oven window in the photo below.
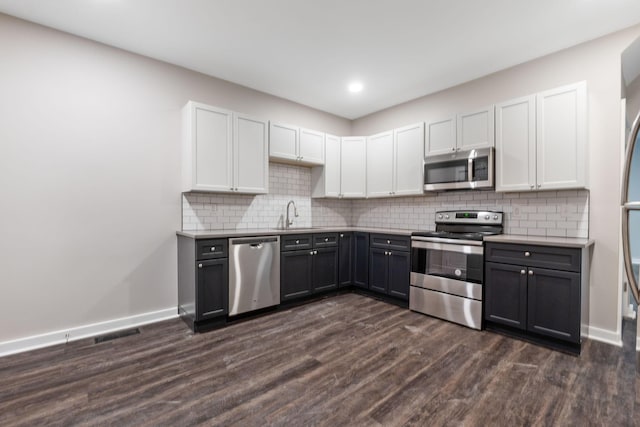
(449, 264)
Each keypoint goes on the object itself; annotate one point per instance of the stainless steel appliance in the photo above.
(254, 273)
(459, 170)
(447, 266)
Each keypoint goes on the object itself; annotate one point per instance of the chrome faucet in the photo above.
(295, 213)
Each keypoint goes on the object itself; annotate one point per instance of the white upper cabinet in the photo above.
(562, 137)
(441, 137)
(380, 165)
(311, 147)
(466, 131)
(541, 141)
(283, 142)
(353, 167)
(223, 151)
(325, 180)
(516, 144)
(251, 160)
(294, 145)
(476, 129)
(408, 160)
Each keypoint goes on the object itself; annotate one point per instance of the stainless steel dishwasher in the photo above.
(254, 273)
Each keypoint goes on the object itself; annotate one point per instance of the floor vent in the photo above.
(117, 334)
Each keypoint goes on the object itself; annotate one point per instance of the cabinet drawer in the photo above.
(325, 240)
(390, 241)
(211, 248)
(567, 259)
(294, 242)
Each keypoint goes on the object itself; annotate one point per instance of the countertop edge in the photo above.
(569, 242)
(211, 234)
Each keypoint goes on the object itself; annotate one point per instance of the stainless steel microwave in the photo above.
(472, 169)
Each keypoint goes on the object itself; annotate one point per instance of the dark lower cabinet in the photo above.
(203, 281)
(345, 261)
(295, 274)
(399, 270)
(309, 271)
(324, 269)
(521, 293)
(378, 270)
(361, 260)
(553, 308)
(389, 272)
(505, 298)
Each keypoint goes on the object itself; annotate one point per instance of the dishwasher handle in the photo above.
(253, 241)
(255, 245)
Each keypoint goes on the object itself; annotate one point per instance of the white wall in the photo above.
(90, 176)
(597, 62)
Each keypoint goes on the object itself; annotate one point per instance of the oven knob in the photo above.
(487, 217)
(495, 217)
(446, 217)
(439, 216)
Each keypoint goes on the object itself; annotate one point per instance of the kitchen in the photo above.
(129, 214)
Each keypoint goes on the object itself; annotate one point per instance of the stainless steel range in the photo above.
(447, 266)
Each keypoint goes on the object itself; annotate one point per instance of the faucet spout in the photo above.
(289, 222)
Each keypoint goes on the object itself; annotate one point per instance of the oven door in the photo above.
(453, 268)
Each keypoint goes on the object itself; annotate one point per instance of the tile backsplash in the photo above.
(546, 213)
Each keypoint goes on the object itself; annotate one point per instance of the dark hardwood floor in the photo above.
(346, 360)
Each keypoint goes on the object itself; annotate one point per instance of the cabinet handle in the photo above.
(326, 239)
(341, 235)
(213, 248)
(311, 253)
(458, 149)
(388, 242)
(301, 157)
(199, 265)
(532, 186)
(530, 272)
(539, 185)
(389, 253)
(523, 272)
(385, 253)
(453, 149)
(315, 252)
(527, 254)
(297, 242)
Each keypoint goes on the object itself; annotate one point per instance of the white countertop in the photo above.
(212, 234)
(568, 242)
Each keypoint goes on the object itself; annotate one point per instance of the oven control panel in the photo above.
(469, 217)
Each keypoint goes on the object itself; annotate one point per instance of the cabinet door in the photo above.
(408, 160)
(311, 149)
(441, 137)
(399, 269)
(332, 168)
(251, 160)
(295, 274)
(378, 270)
(380, 165)
(325, 269)
(345, 263)
(208, 157)
(361, 260)
(505, 298)
(212, 292)
(554, 304)
(283, 142)
(476, 129)
(353, 167)
(516, 145)
(562, 137)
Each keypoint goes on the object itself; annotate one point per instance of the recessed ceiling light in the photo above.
(355, 87)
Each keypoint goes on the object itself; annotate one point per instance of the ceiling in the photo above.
(308, 51)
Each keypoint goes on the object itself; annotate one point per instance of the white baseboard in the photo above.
(60, 337)
(605, 336)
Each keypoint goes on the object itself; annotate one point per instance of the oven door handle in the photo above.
(465, 249)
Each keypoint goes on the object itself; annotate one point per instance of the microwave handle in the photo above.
(470, 169)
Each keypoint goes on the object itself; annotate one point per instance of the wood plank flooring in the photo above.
(345, 360)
